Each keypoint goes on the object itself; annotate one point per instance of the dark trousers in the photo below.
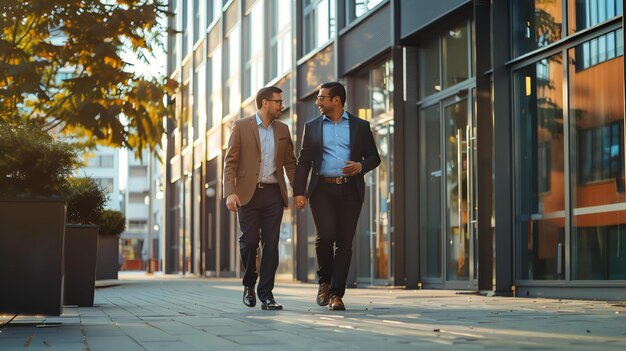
(335, 209)
(260, 221)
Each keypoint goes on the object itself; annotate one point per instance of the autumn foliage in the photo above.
(61, 65)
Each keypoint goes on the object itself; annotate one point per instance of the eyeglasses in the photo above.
(321, 97)
(280, 102)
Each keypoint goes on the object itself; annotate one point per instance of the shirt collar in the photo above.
(343, 115)
(259, 121)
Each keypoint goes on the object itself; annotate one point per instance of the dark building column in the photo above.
(503, 154)
(171, 255)
(410, 163)
(398, 246)
(484, 135)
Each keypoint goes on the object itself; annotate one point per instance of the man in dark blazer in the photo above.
(259, 153)
(337, 150)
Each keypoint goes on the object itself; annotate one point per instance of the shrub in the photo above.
(85, 200)
(112, 223)
(32, 162)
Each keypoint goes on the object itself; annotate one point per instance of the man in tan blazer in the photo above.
(259, 153)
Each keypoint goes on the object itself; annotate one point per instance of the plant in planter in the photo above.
(33, 162)
(85, 202)
(33, 171)
(112, 224)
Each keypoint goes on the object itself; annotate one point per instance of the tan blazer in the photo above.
(242, 162)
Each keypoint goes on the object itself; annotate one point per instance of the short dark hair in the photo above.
(266, 94)
(335, 89)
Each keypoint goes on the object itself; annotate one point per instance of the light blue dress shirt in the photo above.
(336, 148)
(268, 153)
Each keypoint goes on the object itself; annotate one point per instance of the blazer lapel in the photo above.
(276, 138)
(320, 130)
(353, 134)
(255, 132)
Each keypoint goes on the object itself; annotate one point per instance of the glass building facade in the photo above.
(500, 127)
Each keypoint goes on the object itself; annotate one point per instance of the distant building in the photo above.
(103, 165)
(140, 199)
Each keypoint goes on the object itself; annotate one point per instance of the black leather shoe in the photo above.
(322, 294)
(270, 304)
(249, 297)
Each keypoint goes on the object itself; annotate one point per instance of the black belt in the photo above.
(263, 185)
(335, 180)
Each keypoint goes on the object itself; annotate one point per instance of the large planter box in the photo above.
(31, 256)
(108, 257)
(81, 251)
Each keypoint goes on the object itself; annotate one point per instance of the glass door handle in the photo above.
(459, 174)
(559, 257)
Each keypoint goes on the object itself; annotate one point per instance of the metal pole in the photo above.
(150, 223)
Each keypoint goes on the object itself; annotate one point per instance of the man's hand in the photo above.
(233, 203)
(351, 168)
(300, 200)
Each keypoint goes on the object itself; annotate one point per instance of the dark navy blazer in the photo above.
(362, 149)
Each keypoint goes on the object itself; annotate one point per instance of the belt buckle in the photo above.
(260, 185)
(339, 180)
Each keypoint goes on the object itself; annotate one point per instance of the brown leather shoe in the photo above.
(336, 303)
(322, 294)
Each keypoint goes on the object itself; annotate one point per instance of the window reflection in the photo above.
(373, 101)
(280, 37)
(232, 93)
(456, 55)
(430, 191)
(254, 24)
(358, 8)
(428, 68)
(450, 52)
(599, 246)
(540, 175)
(596, 106)
(215, 62)
(597, 117)
(587, 13)
(319, 23)
(538, 24)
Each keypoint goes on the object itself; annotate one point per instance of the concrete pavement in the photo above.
(160, 313)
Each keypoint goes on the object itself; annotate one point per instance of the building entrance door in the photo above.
(374, 236)
(448, 215)
(460, 204)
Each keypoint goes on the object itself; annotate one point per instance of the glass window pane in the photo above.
(319, 23)
(538, 23)
(381, 85)
(198, 28)
(254, 25)
(456, 167)
(280, 37)
(540, 170)
(430, 191)
(216, 88)
(428, 68)
(599, 246)
(358, 8)
(597, 125)
(232, 95)
(588, 13)
(455, 55)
